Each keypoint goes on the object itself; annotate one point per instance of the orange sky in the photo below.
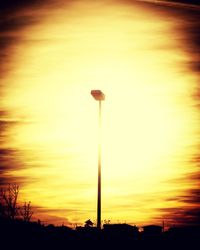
(54, 56)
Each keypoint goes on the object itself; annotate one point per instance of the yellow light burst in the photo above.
(148, 113)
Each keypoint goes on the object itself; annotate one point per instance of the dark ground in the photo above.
(32, 235)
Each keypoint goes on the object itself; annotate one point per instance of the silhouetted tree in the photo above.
(9, 207)
(88, 223)
(106, 221)
(26, 211)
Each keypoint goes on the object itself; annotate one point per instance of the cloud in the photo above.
(44, 210)
(5, 180)
(47, 216)
(7, 45)
(180, 216)
(17, 22)
(15, 16)
(8, 155)
(13, 5)
(9, 161)
(187, 178)
(5, 124)
(197, 100)
(193, 197)
(188, 210)
(187, 214)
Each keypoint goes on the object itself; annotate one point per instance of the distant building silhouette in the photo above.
(184, 232)
(152, 231)
(120, 231)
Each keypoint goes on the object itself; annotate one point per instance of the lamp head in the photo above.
(98, 95)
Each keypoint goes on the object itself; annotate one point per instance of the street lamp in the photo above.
(99, 96)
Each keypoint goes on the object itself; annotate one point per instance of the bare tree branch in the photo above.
(9, 201)
(26, 211)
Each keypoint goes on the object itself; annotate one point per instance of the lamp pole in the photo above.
(99, 96)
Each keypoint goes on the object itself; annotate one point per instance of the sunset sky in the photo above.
(145, 61)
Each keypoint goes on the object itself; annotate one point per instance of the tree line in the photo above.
(9, 206)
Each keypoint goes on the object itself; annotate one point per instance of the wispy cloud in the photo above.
(180, 216)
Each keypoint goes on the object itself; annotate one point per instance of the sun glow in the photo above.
(148, 113)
